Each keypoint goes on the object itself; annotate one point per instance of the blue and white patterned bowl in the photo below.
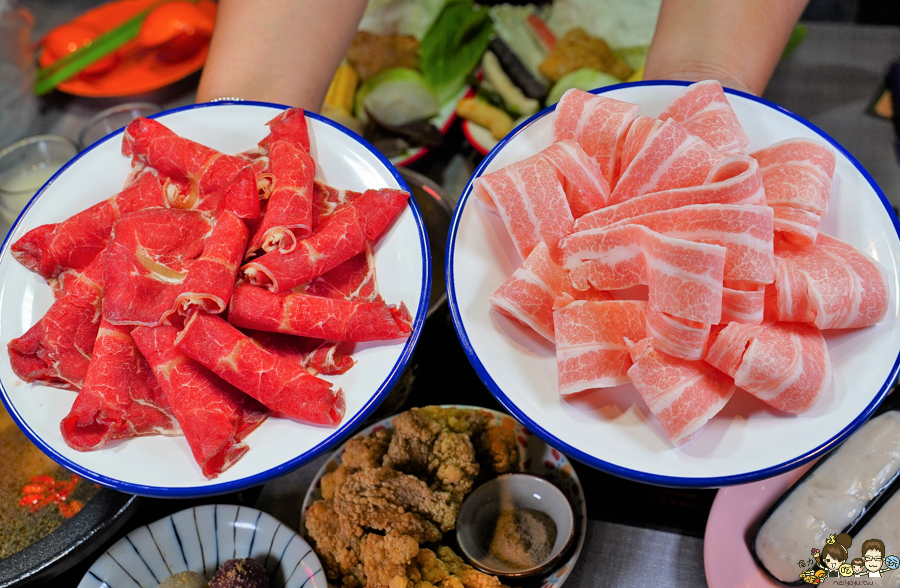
(202, 538)
(535, 457)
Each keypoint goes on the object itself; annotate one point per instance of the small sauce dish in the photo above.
(514, 526)
(25, 166)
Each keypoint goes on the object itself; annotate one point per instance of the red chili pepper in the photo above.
(44, 490)
(71, 509)
(542, 31)
(30, 500)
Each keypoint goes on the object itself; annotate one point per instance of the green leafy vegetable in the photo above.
(453, 47)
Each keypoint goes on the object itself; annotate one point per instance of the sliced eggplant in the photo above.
(517, 71)
(831, 497)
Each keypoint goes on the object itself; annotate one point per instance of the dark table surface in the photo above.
(831, 79)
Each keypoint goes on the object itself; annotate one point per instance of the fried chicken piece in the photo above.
(432, 571)
(387, 558)
(445, 569)
(339, 551)
(366, 452)
(384, 499)
(359, 453)
(469, 576)
(497, 450)
(332, 481)
(434, 443)
(457, 420)
(578, 49)
(370, 53)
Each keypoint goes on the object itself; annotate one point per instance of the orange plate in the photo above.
(138, 71)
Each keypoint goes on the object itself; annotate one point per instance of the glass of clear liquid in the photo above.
(25, 166)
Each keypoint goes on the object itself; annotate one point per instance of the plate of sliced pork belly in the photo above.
(677, 284)
(210, 298)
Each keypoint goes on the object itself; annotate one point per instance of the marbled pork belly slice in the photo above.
(727, 344)
(288, 215)
(279, 383)
(684, 278)
(339, 238)
(202, 178)
(297, 313)
(597, 123)
(735, 180)
(582, 179)
(797, 173)
(57, 350)
(638, 133)
(682, 394)
(530, 200)
(73, 244)
(163, 261)
(743, 302)
(675, 336)
(783, 364)
(120, 397)
(590, 342)
(831, 284)
(703, 110)
(671, 158)
(215, 417)
(745, 231)
(801, 226)
(529, 295)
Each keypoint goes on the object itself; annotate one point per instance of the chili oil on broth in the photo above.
(36, 494)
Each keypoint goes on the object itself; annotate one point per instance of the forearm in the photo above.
(283, 51)
(737, 42)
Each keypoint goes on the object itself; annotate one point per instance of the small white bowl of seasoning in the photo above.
(515, 525)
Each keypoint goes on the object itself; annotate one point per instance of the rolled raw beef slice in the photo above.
(214, 415)
(120, 397)
(74, 243)
(296, 313)
(341, 237)
(280, 384)
(163, 261)
(205, 174)
(56, 351)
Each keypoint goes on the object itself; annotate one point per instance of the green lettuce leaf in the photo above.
(453, 47)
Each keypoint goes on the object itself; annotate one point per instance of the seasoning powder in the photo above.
(523, 538)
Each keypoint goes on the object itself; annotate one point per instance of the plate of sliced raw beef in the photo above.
(677, 284)
(210, 298)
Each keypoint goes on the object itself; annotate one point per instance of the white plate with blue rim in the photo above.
(612, 429)
(164, 466)
(201, 539)
(535, 457)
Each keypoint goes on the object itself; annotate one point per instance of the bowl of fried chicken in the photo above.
(382, 511)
